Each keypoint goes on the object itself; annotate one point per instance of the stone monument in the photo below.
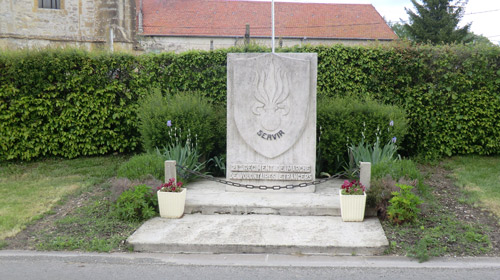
(271, 119)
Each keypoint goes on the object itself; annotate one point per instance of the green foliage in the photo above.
(437, 21)
(218, 165)
(137, 204)
(190, 115)
(385, 176)
(343, 121)
(185, 154)
(403, 206)
(66, 103)
(400, 30)
(91, 227)
(440, 234)
(364, 152)
(403, 168)
(69, 103)
(140, 166)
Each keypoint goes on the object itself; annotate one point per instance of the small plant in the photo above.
(403, 206)
(136, 204)
(185, 154)
(171, 186)
(140, 166)
(364, 152)
(352, 188)
(219, 165)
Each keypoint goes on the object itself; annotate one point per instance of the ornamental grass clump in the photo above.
(374, 153)
(353, 187)
(185, 152)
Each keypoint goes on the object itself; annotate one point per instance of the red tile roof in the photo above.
(228, 18)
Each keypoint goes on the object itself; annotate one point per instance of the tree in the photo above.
(479, 39)
(436, 21)
(400, 30)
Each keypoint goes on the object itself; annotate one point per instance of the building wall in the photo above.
(181, 44)
(80, 23)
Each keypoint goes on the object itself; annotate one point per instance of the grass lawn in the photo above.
(479, 176)
(28, 190)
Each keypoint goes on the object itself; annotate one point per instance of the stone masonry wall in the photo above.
(180, 44)
(78, 23)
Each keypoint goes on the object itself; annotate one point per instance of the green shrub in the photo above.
(189, 115)
(364, 152)
(140, 166)
(70, 103)
(186, 155)
(404, 168)
(343, 121)
(137, 204)
(385, 177)
(66, 103)
(403, 206)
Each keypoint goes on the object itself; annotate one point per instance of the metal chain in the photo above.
(260, 187)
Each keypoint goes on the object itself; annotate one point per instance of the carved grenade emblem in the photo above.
(270, 101)
(271, 97)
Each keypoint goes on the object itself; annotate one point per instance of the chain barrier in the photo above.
(260, 187)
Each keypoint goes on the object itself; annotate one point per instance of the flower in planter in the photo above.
(352, 188)
(171, 186)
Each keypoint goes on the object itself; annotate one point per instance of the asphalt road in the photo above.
(92, 266)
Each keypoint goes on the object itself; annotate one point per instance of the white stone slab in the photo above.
(271, 119)
(260, 234)
(209, 198)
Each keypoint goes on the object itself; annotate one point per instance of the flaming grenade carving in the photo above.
(271, 97)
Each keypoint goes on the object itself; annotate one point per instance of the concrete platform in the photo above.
(209, 198)
(272, 234)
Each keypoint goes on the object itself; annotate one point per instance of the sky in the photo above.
(483, 14)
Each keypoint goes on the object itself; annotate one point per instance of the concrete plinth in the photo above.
(273, 234)
(209, 198)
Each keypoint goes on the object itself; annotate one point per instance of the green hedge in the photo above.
(344, 121)
(190, 115)
(70, 103)
(66, 103)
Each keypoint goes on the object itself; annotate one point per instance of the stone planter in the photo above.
(352, 207)
(171, 204)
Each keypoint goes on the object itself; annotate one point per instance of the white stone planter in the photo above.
(352, 207)
(171, 204)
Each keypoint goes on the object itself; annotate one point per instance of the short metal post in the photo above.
(365, 173)
(170, 170)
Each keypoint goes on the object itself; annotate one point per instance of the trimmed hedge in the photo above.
(70, 103)
(67, 103)
(344, 121)
(190, 115)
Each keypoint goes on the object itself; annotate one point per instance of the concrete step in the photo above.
(272, 234)
(207, 197)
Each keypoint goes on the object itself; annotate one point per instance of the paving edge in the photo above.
(258, 249)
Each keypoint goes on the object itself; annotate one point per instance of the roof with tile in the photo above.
(229, 18)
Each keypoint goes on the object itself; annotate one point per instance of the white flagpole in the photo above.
(272, 19)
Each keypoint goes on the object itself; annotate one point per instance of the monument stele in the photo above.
(271, 119)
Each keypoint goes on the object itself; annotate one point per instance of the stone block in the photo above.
(365, 173)
(271, 119)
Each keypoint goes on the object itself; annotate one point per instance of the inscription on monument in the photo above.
(270, 168)
(273, 172)
(270, 136)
